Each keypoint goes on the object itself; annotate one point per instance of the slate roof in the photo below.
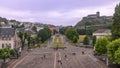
(103, 31)
(7, 32)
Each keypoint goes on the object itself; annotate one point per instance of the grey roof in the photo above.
(7, 31)
(20, 29)
(103, 31)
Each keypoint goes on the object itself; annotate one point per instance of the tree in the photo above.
(21, 36)
(71, 34)
(114, 51)
(116, 23)
(48, 32)
(38, 39)
(62, 30)
(81, 31)
(75, 40)
(117, 56)
(86, 41)
(94, 40)
(101, 45)
(44, 34)
(34, 29)
(28, 40)
(6, 53)
(33, 40)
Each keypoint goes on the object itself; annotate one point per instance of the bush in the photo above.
(86, 41)
(101, 45)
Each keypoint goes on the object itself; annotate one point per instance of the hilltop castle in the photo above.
(97, 15)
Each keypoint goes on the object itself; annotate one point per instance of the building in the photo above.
(97, 15)
(53, 29)
(30, 32)
(39, 28)
(102, 32)
(9, 38)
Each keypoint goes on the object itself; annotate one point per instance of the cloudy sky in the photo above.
(57, 12)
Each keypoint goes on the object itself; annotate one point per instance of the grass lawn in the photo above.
(81, 38)
(57, 42)
(38, 44)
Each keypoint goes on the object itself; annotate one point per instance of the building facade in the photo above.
(102, 32)
(9, 38)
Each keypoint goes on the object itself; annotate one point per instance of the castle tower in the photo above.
(98, 14)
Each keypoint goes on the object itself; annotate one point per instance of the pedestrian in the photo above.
(44, 56)
(60, 62)
(82, 52)
(65, 56)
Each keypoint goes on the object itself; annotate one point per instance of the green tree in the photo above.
(81, 31)
(62, 30)
(101, 45)
(28, 41)
(33, 41)
(86, 41)
(94, 40)
(38, 39)
(44, 34)
(75, 40)
(114, 51)
(48, 32)
(116, 23)
(6, 53)
(34, 28)
(21, 36)
(71, 34)
(117, 56)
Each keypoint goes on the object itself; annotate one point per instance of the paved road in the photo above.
(37, 59)
(74, 58)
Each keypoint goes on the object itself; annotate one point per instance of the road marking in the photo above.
(19, 62)
(55, 61)
(95, 61)
(60, 59)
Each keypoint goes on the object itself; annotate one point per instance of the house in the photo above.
(30, 32)
(52, 28)
(102, 32)
(28, 24)
(9, 38)
(39, 28)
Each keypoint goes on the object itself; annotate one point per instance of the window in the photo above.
(2, 45)
(9, 38)
(8, 45)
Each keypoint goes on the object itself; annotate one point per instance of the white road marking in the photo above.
(19, 62)
(60, 59)
(95, 60)
(55, 61)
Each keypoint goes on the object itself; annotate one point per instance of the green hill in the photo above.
(103, 21)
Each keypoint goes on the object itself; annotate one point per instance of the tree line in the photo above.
(41, 36)
(71, 33)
